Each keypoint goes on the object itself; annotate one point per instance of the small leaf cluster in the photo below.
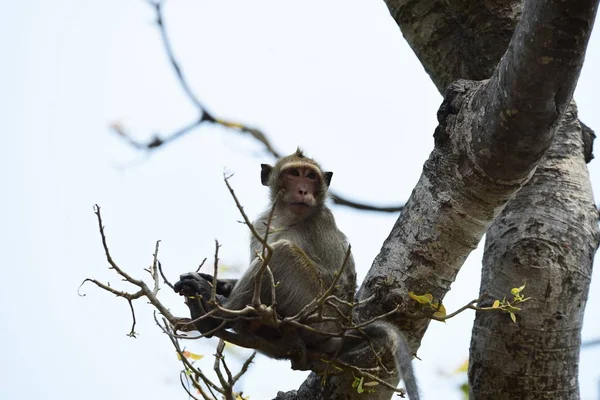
(427, 301)
(362, 386)
(510, 306)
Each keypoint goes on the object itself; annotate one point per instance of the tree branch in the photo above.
(206, 116)
(520, 111)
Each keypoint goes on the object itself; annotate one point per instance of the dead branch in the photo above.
(165, 280)
(201, 264)
(213, 294)
(205, 116)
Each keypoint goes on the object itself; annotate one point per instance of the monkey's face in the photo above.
(302, 185)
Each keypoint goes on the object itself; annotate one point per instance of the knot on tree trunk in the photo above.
(454, 98)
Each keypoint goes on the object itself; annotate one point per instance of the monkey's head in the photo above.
(303, 181)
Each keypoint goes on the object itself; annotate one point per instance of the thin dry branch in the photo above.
(181, 375)
(245, 367)
(144, 289)
(267, 249)
(213, 293)
(339, 273)
(162, 274)
(108, 288)
(154, 269)
(201, 264)
(132, 332)
(206, 116)
(216, 367)
(168, 330)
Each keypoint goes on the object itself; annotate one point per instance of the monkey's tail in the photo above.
(395, 342)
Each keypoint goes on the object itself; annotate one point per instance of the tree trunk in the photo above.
(546, 236)
(490, 139)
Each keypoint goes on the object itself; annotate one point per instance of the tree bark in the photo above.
(490, 139)
(548, 233)
(546, 238)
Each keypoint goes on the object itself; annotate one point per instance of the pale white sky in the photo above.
(334, 77)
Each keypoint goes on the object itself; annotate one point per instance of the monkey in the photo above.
(309, 254)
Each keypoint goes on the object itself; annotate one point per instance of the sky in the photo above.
(336, 78)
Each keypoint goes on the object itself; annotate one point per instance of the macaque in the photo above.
(309, 251)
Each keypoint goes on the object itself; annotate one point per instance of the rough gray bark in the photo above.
(547, 234)
(546, 237)
(490, 139)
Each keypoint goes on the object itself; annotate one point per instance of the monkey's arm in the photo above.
(224, 286)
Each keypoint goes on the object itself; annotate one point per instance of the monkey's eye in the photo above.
(311, 175)
(295, 172)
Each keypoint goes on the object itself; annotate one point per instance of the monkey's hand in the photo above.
(197, 291)
(193, 284)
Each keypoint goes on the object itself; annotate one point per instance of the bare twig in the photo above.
(181, 375)
(342, 201)
(154, 269)
(132, 333)
(169, 50)
(216, 367)
(262, 240)
(201, 264)
(245, 367)
(125, 295)
(144, 289)
(213, 293)
(244, 215)
(220, 349)
(269, 221)
(363, 372)
(165, 280)
(156, 140)
(335, 281)
(109, 258)
(377, 318)
(470, 305)
(187, 364)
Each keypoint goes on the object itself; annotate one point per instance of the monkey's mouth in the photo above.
(300, 208)
(301, 204)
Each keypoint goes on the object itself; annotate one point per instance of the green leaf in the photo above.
(423, 299)
(360, 389)
(513, 317)
(464, 388)
(441, 310)
(462, 368)
(516, 291)
(496, 304)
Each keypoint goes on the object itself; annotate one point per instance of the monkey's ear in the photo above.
(265, 172)
(327, 177)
